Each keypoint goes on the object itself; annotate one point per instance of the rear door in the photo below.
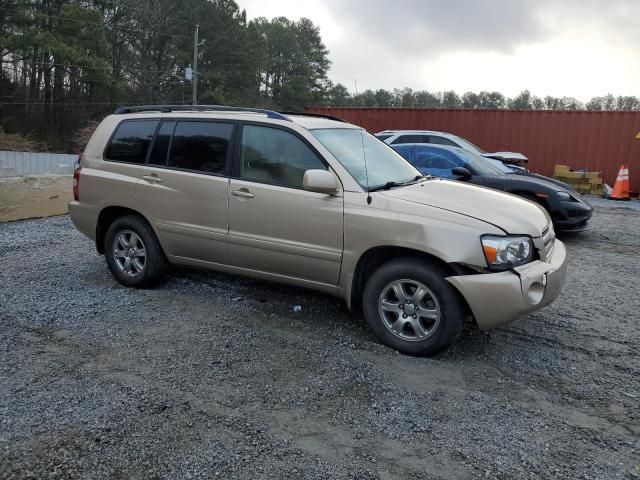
(274, 225)
(183, 187)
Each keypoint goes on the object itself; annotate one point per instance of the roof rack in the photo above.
(198, 108)
(317, 115)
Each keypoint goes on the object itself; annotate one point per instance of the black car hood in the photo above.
(527, 183)
(565, 186)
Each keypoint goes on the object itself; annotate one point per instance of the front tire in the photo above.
(411, 307)
(133, 254)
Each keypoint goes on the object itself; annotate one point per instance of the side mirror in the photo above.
(320, 181)
(461, 172)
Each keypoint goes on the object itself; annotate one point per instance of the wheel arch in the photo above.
(373, 258)
(110, 214)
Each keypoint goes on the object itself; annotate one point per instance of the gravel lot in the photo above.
(217, 376)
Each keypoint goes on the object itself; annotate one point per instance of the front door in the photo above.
(183, 188)
(274, 225)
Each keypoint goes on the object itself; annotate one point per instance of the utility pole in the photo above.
(194, 82)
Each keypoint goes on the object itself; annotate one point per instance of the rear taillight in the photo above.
(76, 178)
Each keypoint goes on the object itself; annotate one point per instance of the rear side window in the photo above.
(411, 139)
(131, 141)
(161, 144)
(443, 141)
(200, 146)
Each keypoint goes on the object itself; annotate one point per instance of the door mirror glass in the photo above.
(320, 181)
(461, 172)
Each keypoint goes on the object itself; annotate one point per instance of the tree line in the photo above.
(67, 62)
(408, 98)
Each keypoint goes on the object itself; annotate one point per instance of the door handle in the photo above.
(243, 192)
(152, 178)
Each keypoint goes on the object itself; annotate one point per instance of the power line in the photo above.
(136, 30)
(82, 66)
(175, 19)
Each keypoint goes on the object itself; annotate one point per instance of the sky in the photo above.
(578, 48)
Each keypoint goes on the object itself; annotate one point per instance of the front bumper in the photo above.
(496, 299)
(572, 217)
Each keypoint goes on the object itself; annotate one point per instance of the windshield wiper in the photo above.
(390, 185)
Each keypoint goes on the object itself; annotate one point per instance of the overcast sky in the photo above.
(579, 48)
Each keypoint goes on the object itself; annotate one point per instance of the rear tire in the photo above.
(411, 307)
(133, 254)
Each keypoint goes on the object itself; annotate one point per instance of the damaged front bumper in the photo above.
(499, 298)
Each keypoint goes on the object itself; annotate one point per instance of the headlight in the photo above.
(564, 196)
(503, 253)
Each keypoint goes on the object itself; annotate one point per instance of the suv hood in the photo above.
(511, 214)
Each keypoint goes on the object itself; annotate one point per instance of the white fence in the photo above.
(26, 163)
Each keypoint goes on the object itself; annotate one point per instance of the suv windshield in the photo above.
(371, 162)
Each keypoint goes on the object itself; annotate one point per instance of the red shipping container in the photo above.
(584, 140)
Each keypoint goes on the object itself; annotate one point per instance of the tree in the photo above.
(426, 99)
(384, 99)
(295, 62)
(627, 103)
(470, 100)
(451, 99)
(522, 101)
(491, 100)
(338, 96)
(365, 99)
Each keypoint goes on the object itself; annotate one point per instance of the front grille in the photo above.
(549, 239)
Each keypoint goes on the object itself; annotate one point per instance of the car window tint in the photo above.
(404, 150)
(160, 147)
(271, 155)
(438, 163)
(442, 141)
(131, 141)
(411, 139)
(200, 146)
(384, 136)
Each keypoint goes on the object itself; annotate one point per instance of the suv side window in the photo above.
(274, 156)
(160, 148)
(411, 139)
(200, 146)
(443, 141)
(130, 141)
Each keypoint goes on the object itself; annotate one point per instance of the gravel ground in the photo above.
(217, 376)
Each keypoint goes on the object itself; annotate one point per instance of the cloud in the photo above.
(559, 47)
(434, 27)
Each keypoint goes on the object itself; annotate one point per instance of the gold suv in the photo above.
(315, 202)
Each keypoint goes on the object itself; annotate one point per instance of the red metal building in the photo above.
(584, 140)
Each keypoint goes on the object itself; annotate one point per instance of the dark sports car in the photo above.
(567, 208)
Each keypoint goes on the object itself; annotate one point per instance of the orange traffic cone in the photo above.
(621, 187)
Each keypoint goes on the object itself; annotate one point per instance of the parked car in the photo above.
(317, 203)
(568, 210)
(396, 137)
(515, 161)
